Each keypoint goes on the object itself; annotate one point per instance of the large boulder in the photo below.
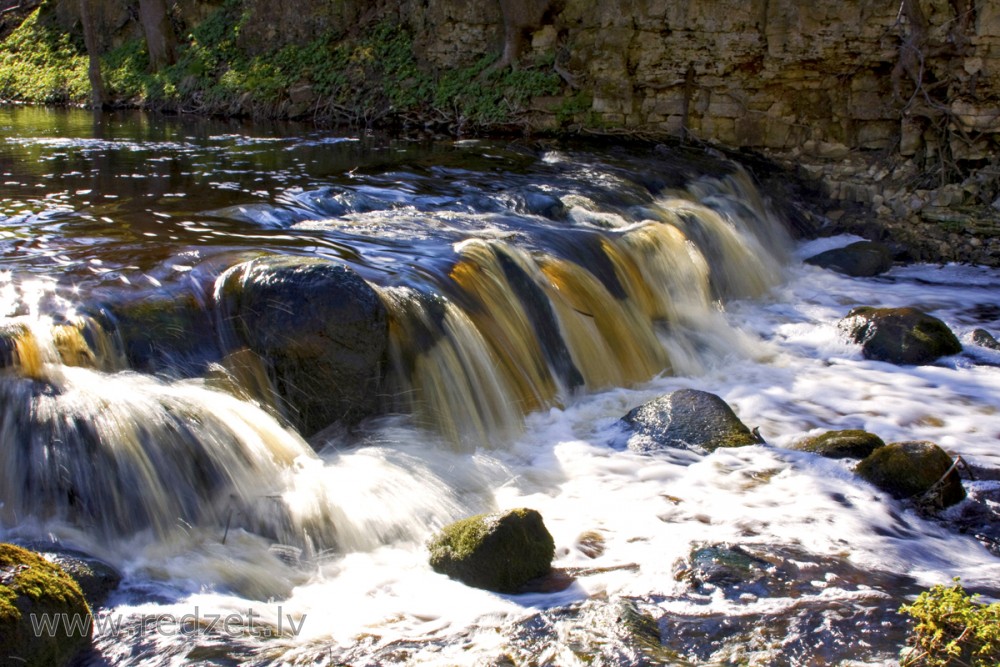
(44, 618)
(862, 259)
(322, 330)
(846, 444)
(908, 469)
(900, 335)
(686, 419)
(498, 552)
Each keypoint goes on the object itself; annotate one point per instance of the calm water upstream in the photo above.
(535, 293)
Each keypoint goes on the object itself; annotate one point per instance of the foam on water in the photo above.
(379, 602)
(351, 564)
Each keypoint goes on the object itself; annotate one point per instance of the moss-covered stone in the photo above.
(861, 259)
(498, 552)
(907, 469)
(845, 444)
(686, 419)
(900, 335)
(31, 587)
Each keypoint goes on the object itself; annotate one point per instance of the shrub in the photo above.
(953, 629)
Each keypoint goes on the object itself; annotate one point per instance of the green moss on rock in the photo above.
(900, 335)
(498, 552)
(30, 586)
(845, 444)
(907, 469)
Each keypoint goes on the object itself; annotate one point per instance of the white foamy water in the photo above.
(376, 600)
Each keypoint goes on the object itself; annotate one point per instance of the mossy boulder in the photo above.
(686, 419)
(322, 330)
(904, 336)
(499, 552)
(845, 444)
(862, 259)
(32, 591)
(908, 469)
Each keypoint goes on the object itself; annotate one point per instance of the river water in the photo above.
(660, 270)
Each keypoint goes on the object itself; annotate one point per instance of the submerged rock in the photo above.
(687, 419)
(31, 587)
(322, 330)
(730, 568)
(498, 552)
(861, 259)
(907, 469)
(984, 338)
(900, 335)
(173, 334)
(845, 444)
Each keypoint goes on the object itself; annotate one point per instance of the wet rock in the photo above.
(845, 444)
(322, 330)
(687, 419)
(782, 616)
(727, 567)
(30, 586)
(536, 202)
(904, 336)
(915, 468)
(499, 552)
(984, 338)
(640, 630)
(861, 259)
(96, 578)
(591, 544)
(164, 334)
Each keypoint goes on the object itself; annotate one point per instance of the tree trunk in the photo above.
(97, 96)
(160, 38)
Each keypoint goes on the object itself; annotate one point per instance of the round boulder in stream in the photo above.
(862, 259)
(686, 419)
(916, 468)
(984, 338)
(33, 590)
(322, 330)
(904, 336)
(498, 552)
(846, 444)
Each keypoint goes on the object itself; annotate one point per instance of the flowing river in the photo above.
(533, 293)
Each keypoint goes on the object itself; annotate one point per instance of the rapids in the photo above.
(535, 294)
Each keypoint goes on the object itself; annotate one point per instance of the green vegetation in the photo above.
(40, 64)
(953, 629)
(366, 79)
(30, 585)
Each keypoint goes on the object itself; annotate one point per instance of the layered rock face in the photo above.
(764, 73)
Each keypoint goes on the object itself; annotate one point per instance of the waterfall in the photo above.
(508, 326)
(508, 330)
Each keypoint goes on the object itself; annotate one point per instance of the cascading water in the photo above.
(506, 308)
